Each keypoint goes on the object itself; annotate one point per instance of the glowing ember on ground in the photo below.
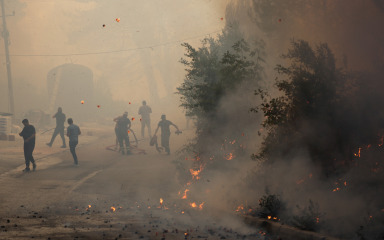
(195, 173)
(262, 233)
(117, 19)
(133, 118)
(240, 208)
(357, 154)
(299, 181)
(185, 194)
(82, 101)
(229, 156)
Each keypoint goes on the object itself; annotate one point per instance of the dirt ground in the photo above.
(108, 196)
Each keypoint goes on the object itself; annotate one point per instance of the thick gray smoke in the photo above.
(347, 203)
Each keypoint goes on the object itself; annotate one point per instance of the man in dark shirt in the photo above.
(29, 135)
(164, 124)
(73, 132)
(60, 119)
(123, 124)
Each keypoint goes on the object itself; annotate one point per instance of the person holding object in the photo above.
(164, 124)
(123, 124)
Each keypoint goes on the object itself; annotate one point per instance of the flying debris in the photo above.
(103, 25)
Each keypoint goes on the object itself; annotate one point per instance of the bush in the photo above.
(309, 217)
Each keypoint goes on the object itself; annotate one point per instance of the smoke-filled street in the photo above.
(107, 196)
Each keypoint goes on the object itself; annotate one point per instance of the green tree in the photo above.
(214, 71)
(306, 114)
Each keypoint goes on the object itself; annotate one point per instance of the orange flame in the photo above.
(185, 194)
(240, 208)
(358, 153)
(194, 205)
(229, 156)
(113, 209)
(161, 201)
(195, 173)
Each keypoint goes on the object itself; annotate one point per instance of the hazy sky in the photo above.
(144, 44)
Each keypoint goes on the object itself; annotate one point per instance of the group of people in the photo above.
(122, 128)
(29, 135)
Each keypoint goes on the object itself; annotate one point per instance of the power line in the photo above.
(113, 51)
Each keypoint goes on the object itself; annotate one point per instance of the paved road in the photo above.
(109, 196)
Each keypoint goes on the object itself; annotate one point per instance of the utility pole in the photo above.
(8, 61)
